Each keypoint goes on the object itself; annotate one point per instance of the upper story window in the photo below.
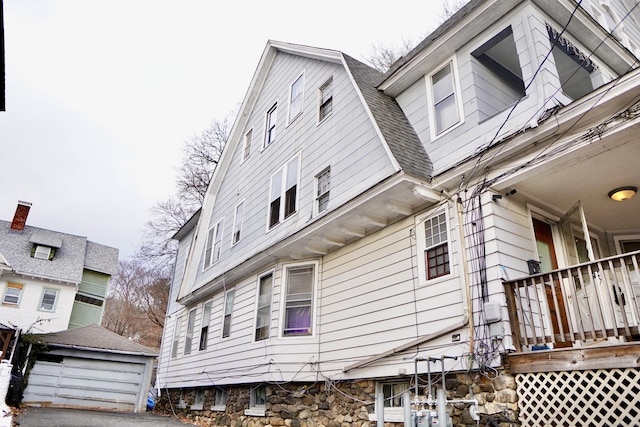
(228, 310)
(12, 294)
(237, 223)
(326, 100)
(323, 185)
(444, 95)
(246, 147)
(42, 252)
(284, 187)
(214, 244)
(270, 131)
(48, 300)
(263, 307)
(176, 337)
(204, 328)
(432, 234)
(296, 94)
(497, 74)
(299, 300)
(191, 324)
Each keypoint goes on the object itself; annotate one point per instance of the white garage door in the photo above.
(85, 383)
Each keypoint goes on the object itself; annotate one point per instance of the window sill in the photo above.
(196, 407)
(255, 412)
(219, 408)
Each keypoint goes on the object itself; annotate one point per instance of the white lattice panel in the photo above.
(580, 398)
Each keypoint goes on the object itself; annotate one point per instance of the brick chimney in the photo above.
(20, 217)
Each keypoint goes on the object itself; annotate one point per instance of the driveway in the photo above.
(61, 417)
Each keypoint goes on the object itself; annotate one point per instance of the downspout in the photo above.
(465, 272)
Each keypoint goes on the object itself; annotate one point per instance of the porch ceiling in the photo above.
(588, 174)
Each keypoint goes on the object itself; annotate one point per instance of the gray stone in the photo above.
(503, 382)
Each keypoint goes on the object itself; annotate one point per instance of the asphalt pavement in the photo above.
(62, 417)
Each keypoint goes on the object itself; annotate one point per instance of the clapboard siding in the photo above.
(346, 141)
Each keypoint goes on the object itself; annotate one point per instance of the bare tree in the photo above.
(200, 158)
(384, 56)
(450, 7)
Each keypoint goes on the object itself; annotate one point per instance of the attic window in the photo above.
(42, 252)
(498, 74)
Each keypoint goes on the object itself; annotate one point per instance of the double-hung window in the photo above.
(323, 185)
(246, 149)
(12, 294)
(214, 244)
(284, 186)
(228, 310)
(237, 223)
(445, 105)
(326, 100)
(299, 300)
(270, 131)
(296, 94)
(191, 324)
(436, 244)
(204, 328)
(48, 300)
(176, 336)
(263, 307)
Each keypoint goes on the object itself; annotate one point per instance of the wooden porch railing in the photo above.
(585, 302)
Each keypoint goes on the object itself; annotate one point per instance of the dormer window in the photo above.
(43, 252)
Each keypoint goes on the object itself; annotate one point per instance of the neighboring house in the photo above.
(91, 368)
(361, 229)
(51, 281)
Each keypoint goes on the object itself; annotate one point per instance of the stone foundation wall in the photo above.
(341, 404)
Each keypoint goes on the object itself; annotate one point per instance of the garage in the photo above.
(90, 368)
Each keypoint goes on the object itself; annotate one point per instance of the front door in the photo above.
(549, 262)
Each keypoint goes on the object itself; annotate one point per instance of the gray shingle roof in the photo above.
(95, 337)
(72, 255)
(394, 126)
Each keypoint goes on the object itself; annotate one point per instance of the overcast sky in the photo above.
(102, 94)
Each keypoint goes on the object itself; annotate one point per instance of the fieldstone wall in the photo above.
(341, 404)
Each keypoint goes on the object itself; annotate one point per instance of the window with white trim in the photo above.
(246, 148)
(283, 195)
(237, 223)
(436, 246)
(48, 299)
(323, 185)
(270, 130)
(188, 338)
(43, 252)
(214, 244)
(444, 99)
(204, 327)
(326, 100)
(220, 399)
(393, 404)
(176, 336)
(296, 95)
(228, 310)
(299, 291)
(257, 401)
(263, 307)
(12, 294)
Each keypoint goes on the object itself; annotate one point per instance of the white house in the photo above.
(363, 230)
(51, 281)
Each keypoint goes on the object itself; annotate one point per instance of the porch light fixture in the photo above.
(623, 193)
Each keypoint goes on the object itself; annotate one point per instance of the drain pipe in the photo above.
(465, 272)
